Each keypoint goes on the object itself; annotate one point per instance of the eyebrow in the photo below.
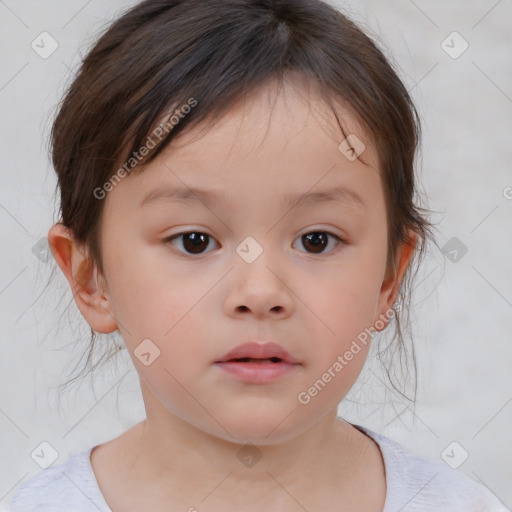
(340, 194)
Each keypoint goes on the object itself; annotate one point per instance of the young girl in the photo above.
(237, 183)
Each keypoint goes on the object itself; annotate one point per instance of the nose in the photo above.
(259, 290)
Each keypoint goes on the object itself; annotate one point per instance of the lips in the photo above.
(258, 364)
(254, 352)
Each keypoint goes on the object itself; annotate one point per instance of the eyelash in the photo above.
(177, 235)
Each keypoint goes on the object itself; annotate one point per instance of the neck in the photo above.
(176, 455)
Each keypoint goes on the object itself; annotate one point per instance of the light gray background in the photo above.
(462, 310)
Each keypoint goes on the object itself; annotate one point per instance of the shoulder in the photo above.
(54, 488)
(419, 484)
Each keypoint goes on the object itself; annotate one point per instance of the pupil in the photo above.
(318, 240)
(197, 239)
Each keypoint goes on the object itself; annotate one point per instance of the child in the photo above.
(275, 139)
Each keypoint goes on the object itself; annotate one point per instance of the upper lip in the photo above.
(256, 350)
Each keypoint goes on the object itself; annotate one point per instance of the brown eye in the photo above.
(317, 241)
(194, 242)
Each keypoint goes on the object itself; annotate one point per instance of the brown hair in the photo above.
(161, 53)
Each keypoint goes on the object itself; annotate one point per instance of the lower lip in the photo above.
(256, 373)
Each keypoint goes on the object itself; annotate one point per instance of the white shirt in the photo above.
(414, 484)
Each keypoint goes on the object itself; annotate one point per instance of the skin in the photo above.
(196, 307)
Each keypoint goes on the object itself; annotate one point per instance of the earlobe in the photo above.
(93, 302)
(392, 280)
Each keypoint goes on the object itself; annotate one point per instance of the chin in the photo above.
(262, 429)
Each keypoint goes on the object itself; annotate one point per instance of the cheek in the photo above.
(345, 308)
(148, 297)
(170, 388)
(340, 325)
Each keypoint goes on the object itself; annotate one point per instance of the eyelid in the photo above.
(170, 238)
(332, 230)
(339, 242)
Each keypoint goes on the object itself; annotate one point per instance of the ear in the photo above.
(94, 304)
(393, 278)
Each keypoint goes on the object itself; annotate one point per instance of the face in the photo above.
(191, 278)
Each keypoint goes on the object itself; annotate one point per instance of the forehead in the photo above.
(278, 141)
(278, 112)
